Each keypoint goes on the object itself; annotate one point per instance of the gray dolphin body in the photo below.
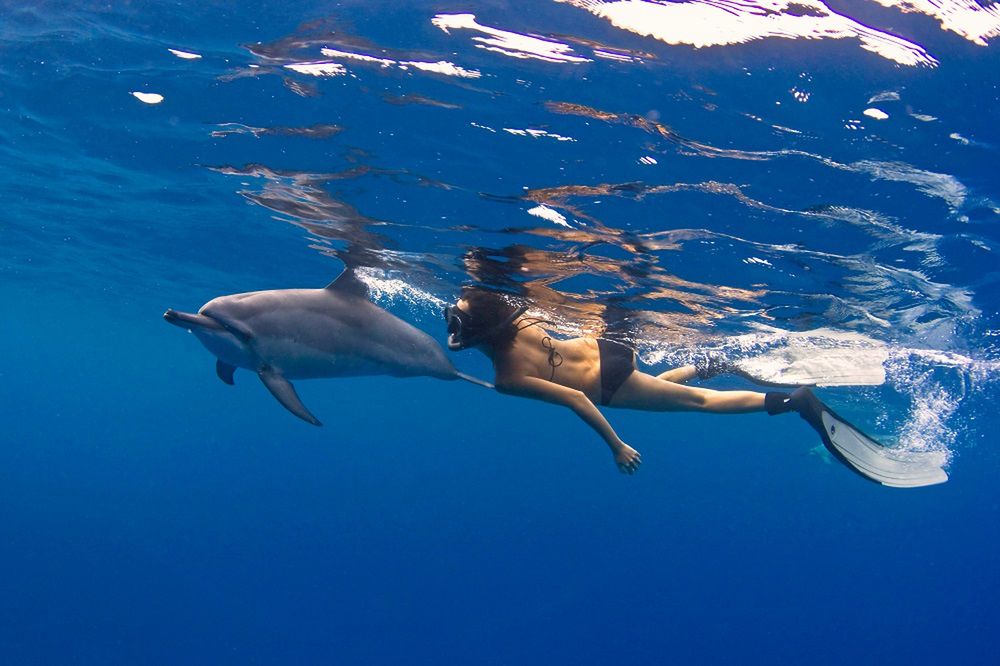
(311, 333)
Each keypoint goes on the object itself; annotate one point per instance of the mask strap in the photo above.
(468, 342)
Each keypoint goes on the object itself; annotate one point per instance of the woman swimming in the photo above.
(581, 373)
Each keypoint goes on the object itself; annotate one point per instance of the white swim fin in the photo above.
(898, 469)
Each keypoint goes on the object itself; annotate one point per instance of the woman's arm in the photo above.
(627, 458)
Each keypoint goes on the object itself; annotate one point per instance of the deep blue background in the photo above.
(151, 514)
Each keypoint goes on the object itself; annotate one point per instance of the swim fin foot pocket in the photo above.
(890, 467)
(776, 402)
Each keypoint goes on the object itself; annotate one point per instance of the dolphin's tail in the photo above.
(470, 378)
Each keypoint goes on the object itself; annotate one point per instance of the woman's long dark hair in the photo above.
(487, 310)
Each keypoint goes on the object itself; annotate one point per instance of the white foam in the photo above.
(385, 289)
(549, 214)
(619, 57)
(704, 23)
(318, 68)
(184, 55)
(963, 17)
(334, 53)
(509, 43)
(444, 67)
(537, 134)
(439, 67)
(148, 98)
(789, 130)
(887, 96)
(943, 358)
(926, 427)
(928, 423)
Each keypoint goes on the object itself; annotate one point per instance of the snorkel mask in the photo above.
(460, 322)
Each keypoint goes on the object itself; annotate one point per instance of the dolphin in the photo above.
(288, 334)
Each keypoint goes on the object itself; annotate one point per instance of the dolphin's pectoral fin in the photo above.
(348, 283)
(283, 390)
(225, 371)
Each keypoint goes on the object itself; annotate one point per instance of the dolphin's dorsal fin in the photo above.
(225, 371)
(285, 393)
(348, 283)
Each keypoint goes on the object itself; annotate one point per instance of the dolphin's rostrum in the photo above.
(310, 333)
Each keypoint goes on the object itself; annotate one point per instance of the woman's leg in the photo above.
(710, 365)
(642, 391)
(680, 375)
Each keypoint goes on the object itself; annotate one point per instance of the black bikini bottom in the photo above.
(617, 363)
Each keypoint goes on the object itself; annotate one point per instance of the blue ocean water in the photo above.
(739, 177)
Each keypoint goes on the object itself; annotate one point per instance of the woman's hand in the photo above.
(627, 458)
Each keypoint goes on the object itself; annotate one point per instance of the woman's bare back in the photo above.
(574, 363)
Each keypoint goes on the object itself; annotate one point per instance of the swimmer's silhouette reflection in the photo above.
(610, 297)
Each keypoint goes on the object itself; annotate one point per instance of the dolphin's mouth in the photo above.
(190, 321)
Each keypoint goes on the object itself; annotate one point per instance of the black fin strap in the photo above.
(776, 402)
